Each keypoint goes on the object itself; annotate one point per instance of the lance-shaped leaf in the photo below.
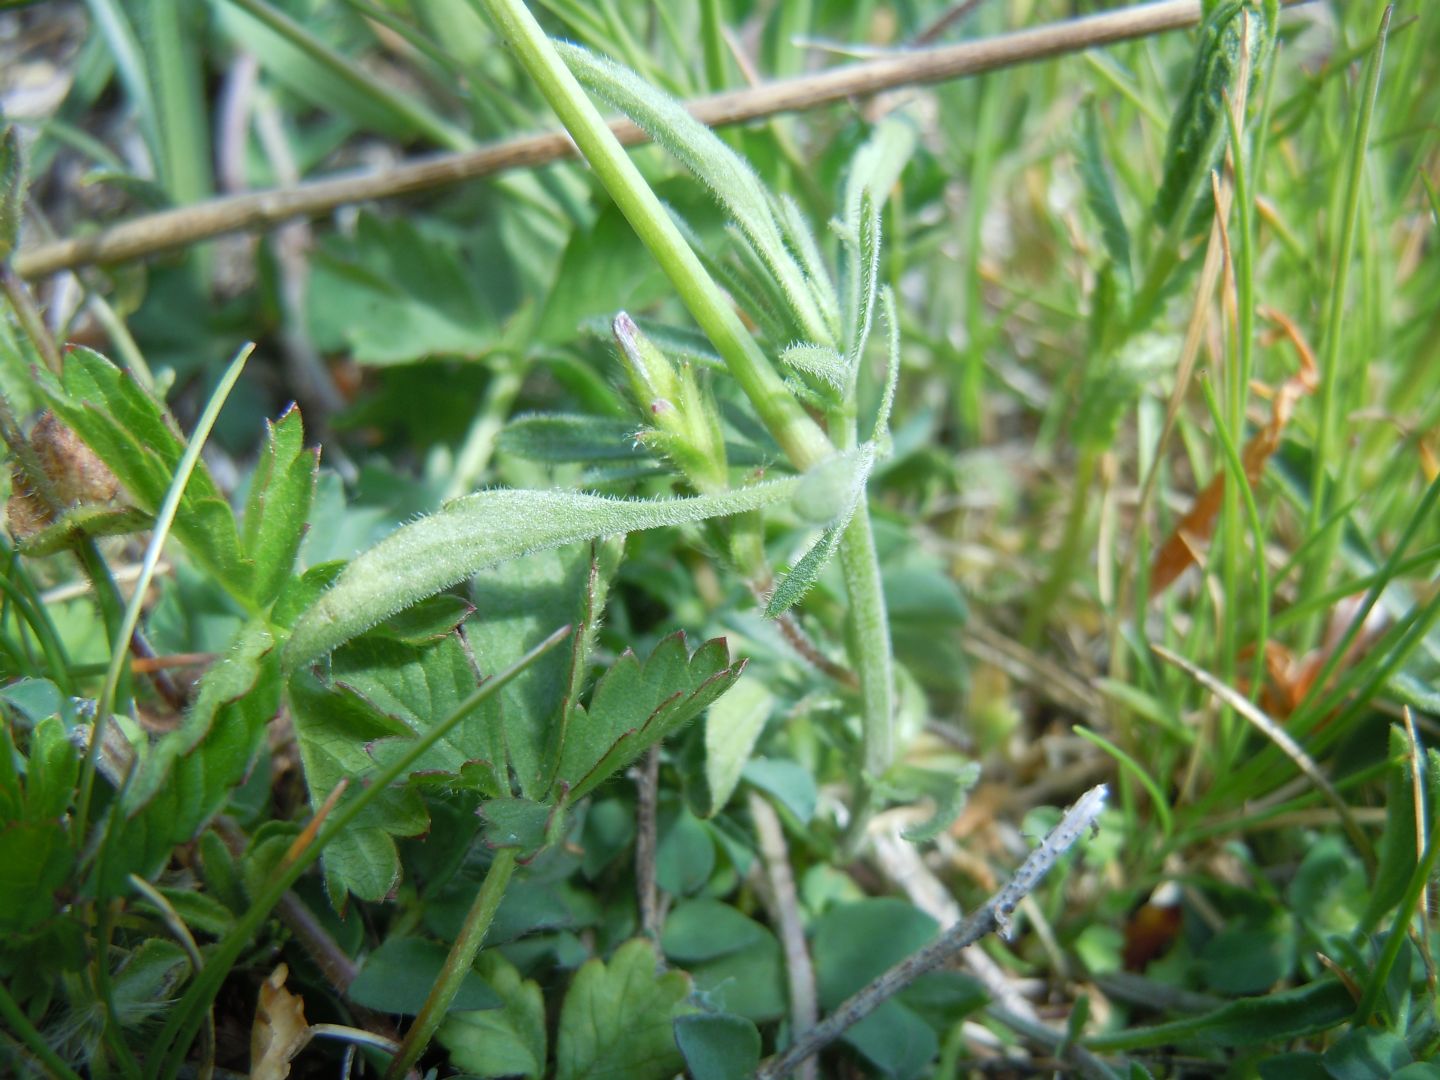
(483, 530)
(278, 510)
(805, 572)
(727, 175)
(85, 521)
(1197, 130)
(558, 437)
(820, 361)
(1100, 193)
(635, 705)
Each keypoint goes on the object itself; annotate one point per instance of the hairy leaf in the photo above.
(806, 572)
(278, 510)
(820, 361)
(701, 151)
(483, 530)
(1198, 128)
(182, 781)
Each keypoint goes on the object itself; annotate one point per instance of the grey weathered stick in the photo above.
(799, 972)
(264, 210)
(995, 915)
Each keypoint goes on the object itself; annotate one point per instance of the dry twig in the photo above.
(994, 915)
(264, 210)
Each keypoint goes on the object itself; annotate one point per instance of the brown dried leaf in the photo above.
(280, 1031)
(1186, 544)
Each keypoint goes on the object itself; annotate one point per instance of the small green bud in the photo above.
(827, 489)
(685, 426)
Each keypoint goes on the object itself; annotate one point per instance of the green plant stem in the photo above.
(29, 1035)
(189, 1012)
(458, 964)
(869, 640)
(800, 437)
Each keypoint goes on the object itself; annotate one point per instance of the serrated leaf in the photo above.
(483, 530)
(508, 1041)
(553, 437)
(415, 687)
(132, 434)
(523, 603)
(617, 1019)
(636, 705)
(277, 512)
(50, 771)
(331, 730)
(186, 778)
(396, 295)
(35, 861)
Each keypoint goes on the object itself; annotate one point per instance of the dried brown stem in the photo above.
(804, 1008)
(264, 210)
(647, 787)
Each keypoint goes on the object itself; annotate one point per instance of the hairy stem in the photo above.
(457, 964)
(800, 437)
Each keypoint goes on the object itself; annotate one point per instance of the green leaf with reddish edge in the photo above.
(617, 1020)
(278, 510)
(132, 434)
(635, 705)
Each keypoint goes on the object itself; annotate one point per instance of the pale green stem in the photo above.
(798, 435)
(458, 964)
